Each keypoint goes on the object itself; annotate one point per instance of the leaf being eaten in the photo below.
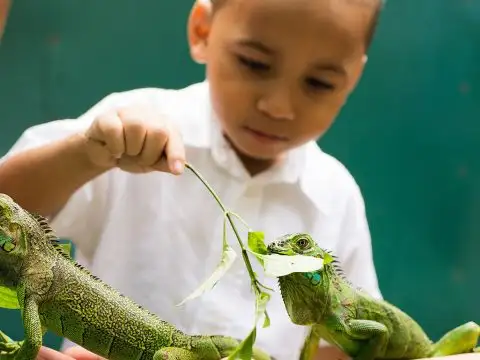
(280, 265)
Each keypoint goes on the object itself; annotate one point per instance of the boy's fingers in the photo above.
(46, 353)
(175, 151)
(142, 135)
(172, 158)
(109, 129)
(135, 132)
(153, 147)
(79, 353)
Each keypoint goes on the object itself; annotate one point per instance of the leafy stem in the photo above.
(274, 265)
(256, 284)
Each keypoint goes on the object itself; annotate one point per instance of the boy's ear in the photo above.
(358, 73)
(199, 23)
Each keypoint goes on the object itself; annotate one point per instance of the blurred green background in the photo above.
(410, 134)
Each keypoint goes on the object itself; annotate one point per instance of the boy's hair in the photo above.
(216, 4)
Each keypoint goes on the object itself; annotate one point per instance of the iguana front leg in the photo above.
(8, 346)
(310, 345)
(374, 334)
(28, 348)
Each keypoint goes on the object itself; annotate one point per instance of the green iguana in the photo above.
(361, 326)
(55, 293)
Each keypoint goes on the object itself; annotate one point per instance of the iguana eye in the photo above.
(302, 243)
(6, 242)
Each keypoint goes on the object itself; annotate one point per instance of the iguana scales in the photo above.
(363, 327)
(55, 293)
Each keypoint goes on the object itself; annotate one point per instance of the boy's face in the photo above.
(279, 70)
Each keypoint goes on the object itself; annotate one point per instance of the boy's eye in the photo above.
(319, 84)
(253, 64)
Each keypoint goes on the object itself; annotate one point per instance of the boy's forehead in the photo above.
(299, 5)
(365, 3)
(333, 21)
(356, 14)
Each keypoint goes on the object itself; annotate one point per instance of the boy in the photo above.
(278, 73)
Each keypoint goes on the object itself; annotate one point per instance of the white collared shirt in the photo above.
(156, 237)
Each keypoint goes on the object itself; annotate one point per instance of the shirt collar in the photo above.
(318, 180)
(288, 171)
(304, 167)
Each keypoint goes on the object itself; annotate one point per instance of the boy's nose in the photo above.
(277, 104)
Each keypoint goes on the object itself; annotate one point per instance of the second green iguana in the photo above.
(57, 294)
(363, 327)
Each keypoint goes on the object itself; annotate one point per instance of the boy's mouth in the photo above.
(265, 136)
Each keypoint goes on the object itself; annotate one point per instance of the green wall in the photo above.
(409, 135)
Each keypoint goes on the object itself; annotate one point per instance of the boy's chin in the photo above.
(260, 154)
(253, 150)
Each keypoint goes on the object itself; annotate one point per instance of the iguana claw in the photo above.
(8, 347)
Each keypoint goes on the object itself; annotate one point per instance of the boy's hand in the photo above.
(137, 140)
(74, 353)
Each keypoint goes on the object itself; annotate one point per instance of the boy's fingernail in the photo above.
(178, 166)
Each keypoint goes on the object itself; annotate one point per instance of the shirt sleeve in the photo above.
(81, 218)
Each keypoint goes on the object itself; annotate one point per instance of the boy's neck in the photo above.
(252, 165)
(255, 166)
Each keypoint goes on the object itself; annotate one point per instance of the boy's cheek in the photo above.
(4, 10)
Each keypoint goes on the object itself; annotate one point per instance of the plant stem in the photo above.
(200, 177)
(229, 217)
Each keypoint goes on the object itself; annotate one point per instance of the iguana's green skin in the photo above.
(57, 294)
(361, 326)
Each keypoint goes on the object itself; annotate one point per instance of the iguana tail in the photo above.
(460, 340)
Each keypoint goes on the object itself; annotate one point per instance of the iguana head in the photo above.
(304, 294)
(16, 226)
(12, 235)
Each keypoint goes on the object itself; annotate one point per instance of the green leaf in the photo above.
(244, 350)
(256, 242)
(8, 298)
(276, 265)
(261, 308)
(266, 321)
(228, 257)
